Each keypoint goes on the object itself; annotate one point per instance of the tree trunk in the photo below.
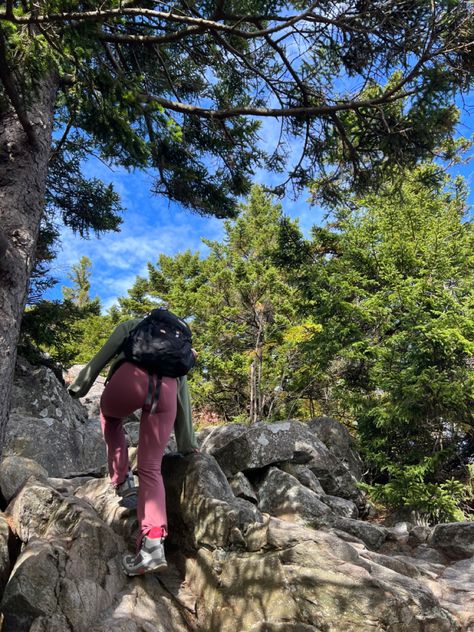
(252, 413)
(256, 368)
(23, 170)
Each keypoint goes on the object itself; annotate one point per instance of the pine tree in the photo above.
(79, 293)
(241, 312)
(391, 283)
(178, 88)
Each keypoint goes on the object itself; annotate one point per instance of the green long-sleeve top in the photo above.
(110, 353)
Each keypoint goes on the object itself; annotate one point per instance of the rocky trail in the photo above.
(268, 532)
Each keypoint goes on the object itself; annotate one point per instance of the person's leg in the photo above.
(155, 431)
(125, 393)
(117, 449)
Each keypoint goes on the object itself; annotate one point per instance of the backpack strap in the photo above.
(149, 396)
(153, 395)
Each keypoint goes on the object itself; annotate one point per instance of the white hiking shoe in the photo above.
(149, 559)
(127, 488)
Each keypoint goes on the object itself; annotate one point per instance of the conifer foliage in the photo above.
(391, 282)
(180, 88)
(369, 319)
(242, 314)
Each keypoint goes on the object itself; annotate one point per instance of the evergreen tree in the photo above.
(242, 315)
(174, 88)
(80, 277)
(58, 332)
(391, 283)
(92, 331)
(83, 204)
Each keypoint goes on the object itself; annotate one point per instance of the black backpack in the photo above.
(162, 344)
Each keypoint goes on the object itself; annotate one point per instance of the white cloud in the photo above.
(150, 227)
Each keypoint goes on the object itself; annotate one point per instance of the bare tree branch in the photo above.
(275, 90)
(127, 10)
(120, 38)
(296, 168)
(100, 15)
(167, 74)
(316, 110)
(289, 67)
(60, 144)
(114, 63)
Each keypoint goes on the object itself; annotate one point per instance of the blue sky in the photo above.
(152, 225)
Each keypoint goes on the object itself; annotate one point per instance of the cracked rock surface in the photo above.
(265, 530)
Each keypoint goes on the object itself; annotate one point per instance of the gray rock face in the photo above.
(242, 488)
(120, 516)
(68, 576)
(202, 509)
(91, 401)
(420, 533)
(59, 448)
(15, 471)
(203, 433)
(337, 438)
(218, 439)
(340, 506)
(331, 472)
(243, 593)
(132, 432)
(455, 539)
(48, 426)
(283, 496)
(250, 448)
(68, 567)
(455, 585)
(371, 534)
(263, 444)
(305, 476)
(5, 551)
(38, 393)
(143, 607)
(243, 568)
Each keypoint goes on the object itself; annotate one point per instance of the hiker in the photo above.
(164, 402)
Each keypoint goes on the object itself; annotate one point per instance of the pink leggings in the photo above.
(125, 393)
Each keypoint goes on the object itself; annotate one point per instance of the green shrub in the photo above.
(433, 502)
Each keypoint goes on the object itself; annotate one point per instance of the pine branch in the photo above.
(8, 82)
(317, 110)
(101, 15)
(59, 145)
(120, 38)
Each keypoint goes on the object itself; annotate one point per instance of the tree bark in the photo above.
(256, 404)
(23, 169)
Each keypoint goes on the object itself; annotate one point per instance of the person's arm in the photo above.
(89, 373)
(183, 428)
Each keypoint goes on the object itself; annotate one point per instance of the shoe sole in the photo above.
(128, 493)
(144, 571)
